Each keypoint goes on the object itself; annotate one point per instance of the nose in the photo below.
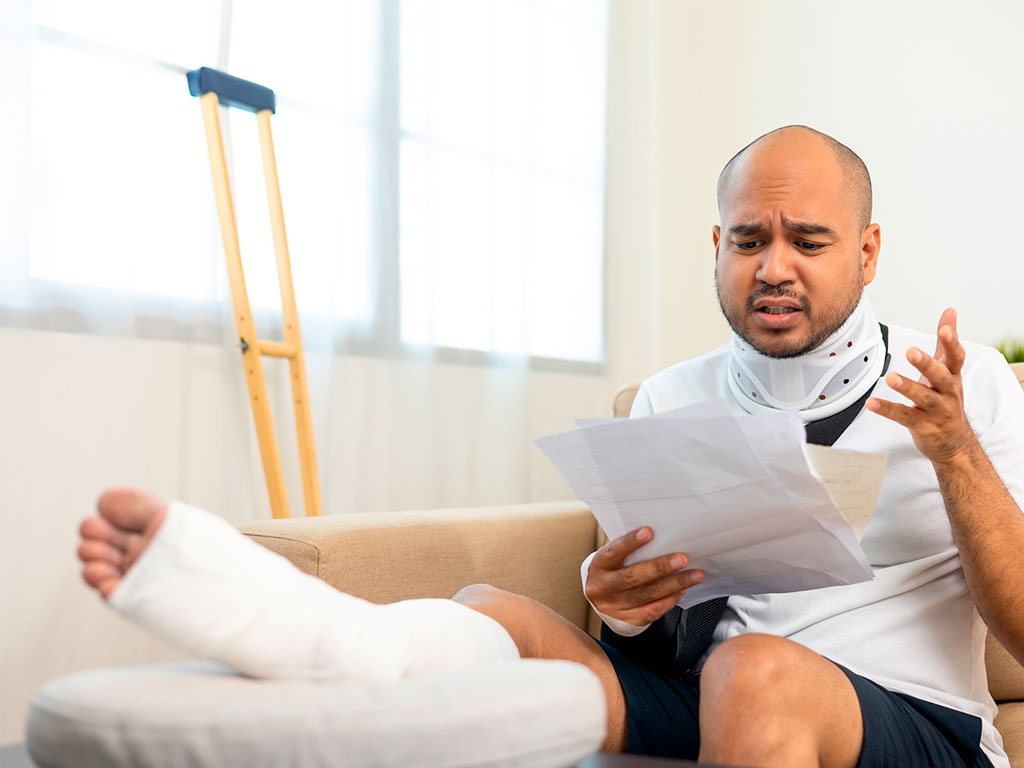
(776, 265)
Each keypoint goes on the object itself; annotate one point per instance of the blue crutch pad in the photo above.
(231, 91)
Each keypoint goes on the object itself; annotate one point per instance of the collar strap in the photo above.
(826, 431)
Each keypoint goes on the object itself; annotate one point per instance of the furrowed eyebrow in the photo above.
(746, 230)
(807, 228)
(800, 227)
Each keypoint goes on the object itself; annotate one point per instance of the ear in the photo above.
(716, 234)
(870, 245)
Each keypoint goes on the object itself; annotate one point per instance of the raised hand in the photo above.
(936, 420)
(640, 593)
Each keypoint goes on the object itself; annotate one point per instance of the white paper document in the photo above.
(747, 500)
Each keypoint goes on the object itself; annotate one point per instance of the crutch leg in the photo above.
(251, 352)
(290, 315)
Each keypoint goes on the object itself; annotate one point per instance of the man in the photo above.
(793, 251)
(881, 673)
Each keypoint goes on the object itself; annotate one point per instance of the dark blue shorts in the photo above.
(899, 730)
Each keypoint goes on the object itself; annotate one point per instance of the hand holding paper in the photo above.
(735, 493)
(640, 593)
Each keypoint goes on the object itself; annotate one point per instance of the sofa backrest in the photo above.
(1005, 675)
(530, 549)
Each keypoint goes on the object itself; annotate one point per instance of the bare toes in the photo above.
(95, 550)
(100, 529)
(131, 510)
(103, 577)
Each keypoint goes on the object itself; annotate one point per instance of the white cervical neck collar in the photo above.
(815, 385)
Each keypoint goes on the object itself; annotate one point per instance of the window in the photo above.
(441, 164)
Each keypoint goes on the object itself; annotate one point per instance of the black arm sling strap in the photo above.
(676, 642)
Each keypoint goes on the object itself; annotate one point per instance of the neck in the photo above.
(817, 384)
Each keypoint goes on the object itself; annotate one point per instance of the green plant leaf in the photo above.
(1012, 349)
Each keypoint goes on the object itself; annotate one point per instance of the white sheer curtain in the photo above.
(117, 231)
(442, 164)
(502, 144)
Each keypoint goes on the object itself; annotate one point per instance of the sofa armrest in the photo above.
(529, 549)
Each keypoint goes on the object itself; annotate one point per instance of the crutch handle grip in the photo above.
(231, 91)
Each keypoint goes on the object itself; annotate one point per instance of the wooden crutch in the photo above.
(215, 88)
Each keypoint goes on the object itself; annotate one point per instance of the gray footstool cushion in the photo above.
(536, 713)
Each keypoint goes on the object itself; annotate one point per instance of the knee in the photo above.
(481, 594)
(489, 600)
(510, 610)
(768, 696)
(751, 665)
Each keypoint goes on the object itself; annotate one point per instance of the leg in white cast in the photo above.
(195, 582)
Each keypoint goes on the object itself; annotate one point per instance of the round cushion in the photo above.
(530, 712)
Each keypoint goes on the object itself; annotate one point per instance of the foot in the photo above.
(117, 536)
(213, 593)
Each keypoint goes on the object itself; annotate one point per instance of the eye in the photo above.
(749, 245)
(806, 246)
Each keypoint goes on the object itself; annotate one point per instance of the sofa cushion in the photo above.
(544, 713)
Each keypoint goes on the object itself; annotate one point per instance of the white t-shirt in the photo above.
(912, 629)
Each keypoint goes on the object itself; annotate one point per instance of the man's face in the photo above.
(791, 259)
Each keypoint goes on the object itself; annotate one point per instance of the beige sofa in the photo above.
(530, 549)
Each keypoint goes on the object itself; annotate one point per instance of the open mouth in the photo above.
(778, 316)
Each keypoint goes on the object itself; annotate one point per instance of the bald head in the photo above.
(857, 181)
